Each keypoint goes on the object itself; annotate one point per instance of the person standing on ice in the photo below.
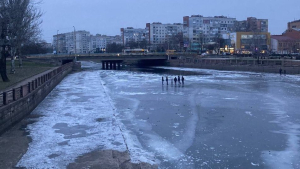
(162, 80)
(175, 80)
(182, 80)
(280, 71)
(167, 80)
(178, 79)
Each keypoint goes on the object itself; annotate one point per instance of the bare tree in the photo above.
(4, 42)
(23, 20)
(24, 24)
(173, 41)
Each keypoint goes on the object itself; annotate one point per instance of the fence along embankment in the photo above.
(18, 102)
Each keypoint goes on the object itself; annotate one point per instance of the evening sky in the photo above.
(108, 16)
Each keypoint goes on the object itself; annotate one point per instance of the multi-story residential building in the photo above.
(294, 24)
(117, 39)
(67, 42)
(160, 34)
(199, 30)
(241, 26)
(70, 42)
(98, 43)
(59, 43)
(252, 24)
(257, 25)
(131, 34)
(82, 40)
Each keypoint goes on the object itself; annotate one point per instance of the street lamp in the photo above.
(229, 45)
(74, 39)
(57, 42)
(168, 46)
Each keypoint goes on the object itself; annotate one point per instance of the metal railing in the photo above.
(15, 94)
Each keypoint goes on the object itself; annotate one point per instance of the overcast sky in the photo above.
(108, 16)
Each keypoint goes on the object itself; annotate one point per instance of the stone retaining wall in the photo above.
(263, 68)
(15, 111)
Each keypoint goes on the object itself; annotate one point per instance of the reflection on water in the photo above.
(158, 70)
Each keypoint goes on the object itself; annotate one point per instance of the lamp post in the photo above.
(168, 46)
(229, 45)
(74, 39)
(57, 42)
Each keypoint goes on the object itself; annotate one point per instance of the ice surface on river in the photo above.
(217, 119)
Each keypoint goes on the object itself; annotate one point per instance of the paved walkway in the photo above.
(25, 81)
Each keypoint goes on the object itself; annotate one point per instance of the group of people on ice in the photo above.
(180, 81)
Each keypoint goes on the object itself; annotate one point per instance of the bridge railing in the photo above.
(17, 93)
(110, 54)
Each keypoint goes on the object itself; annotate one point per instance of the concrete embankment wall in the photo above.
(263, 67)
(15, 111)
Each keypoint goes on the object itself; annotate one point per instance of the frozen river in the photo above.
(218, 119)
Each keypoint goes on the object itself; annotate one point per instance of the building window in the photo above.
(284, 45)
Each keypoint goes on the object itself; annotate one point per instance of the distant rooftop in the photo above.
(281, 37)
(196, 16)
(295, 21)
(296, 29)
(167, 23)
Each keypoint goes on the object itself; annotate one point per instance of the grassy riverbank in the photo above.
(28, 69)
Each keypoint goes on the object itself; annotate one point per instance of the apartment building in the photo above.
(199, 30)
(59, 43)
(98, 42)
(117, 39)
(70, 42)
(252, 24)
(160, 34)
(241, 26)
(294, 24)
(257, 25)
(131, 34)
(82, 41)
(209, 26)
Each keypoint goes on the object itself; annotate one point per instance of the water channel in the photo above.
(217, 119)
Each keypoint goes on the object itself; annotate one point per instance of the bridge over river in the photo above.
(111, 60)
(184, 59)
